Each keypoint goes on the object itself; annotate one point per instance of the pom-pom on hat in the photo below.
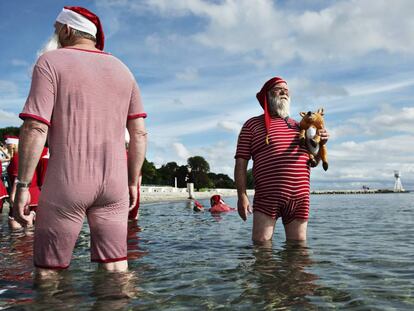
(262, 98)
(83, 20)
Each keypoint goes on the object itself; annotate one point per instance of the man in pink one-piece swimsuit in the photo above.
(81, 99)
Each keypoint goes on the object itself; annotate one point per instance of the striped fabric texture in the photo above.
(280, 169)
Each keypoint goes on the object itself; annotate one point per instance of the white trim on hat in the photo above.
(12, 141)
(77, 21)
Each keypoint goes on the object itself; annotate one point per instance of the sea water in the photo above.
(359, 256)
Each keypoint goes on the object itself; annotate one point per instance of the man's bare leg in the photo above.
(118, 266)
(42, 274)
(14, 225)
(296, 230)
(263, 227)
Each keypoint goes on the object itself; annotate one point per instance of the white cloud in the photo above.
(220, 155)
(9, 119)
(189, 74)
(181, 151)
(153, 43)
(230, 126)
(388, 120)
(317, 88)
(19, 62)
(379, 87)
(372, 161)
(8, 88)
(343, 30)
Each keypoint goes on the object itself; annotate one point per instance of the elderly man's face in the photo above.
(279, 100)
(280, 90)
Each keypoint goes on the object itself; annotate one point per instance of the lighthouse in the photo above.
(398, 185)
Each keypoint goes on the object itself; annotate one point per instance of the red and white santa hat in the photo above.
(262, 98)
(83, 20)
(12, 140)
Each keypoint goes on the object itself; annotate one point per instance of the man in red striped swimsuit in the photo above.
(280, 167)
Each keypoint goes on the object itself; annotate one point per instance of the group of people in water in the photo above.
(80, 101)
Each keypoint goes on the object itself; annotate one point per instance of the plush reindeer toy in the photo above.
(310, 125)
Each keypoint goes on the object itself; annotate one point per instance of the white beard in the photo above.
(279, 107)
(51, 44)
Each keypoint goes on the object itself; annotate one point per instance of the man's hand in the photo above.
(21, 206)
(243, 207)
(323, 133)
(133, 196)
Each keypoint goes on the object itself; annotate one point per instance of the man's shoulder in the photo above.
(254, 120)
(69, 52)
(74, 56)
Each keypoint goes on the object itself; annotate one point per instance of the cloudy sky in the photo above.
(199, 64)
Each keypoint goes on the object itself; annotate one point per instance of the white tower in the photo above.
(398, 185)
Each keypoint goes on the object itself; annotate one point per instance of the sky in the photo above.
(200, 63)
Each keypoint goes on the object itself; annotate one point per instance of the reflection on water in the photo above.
(16, 266)
(358, 257)
(106, 291)
(278, 278)
(113, 291)
(133, 239)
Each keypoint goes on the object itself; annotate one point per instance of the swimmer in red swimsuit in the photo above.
(218, 206)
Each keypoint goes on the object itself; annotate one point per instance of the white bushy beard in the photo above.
(279, 106)
(52, 44)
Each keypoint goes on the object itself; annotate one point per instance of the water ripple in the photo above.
(358, 257)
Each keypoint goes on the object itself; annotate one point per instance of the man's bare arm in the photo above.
(136, 156)
(240, 177)
(33, 136)
(136, 150)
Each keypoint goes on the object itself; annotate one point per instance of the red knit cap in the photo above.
(262, 98)
(75, 22)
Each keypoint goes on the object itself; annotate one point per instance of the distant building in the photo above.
(398, 185)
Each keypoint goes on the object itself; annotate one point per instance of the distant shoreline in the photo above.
(373, 191)
(165, 194)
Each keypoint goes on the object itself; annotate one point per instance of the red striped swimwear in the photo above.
(280, 169)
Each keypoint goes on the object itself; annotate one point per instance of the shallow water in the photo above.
(359, 256)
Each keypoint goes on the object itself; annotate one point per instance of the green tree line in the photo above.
(200, 174)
